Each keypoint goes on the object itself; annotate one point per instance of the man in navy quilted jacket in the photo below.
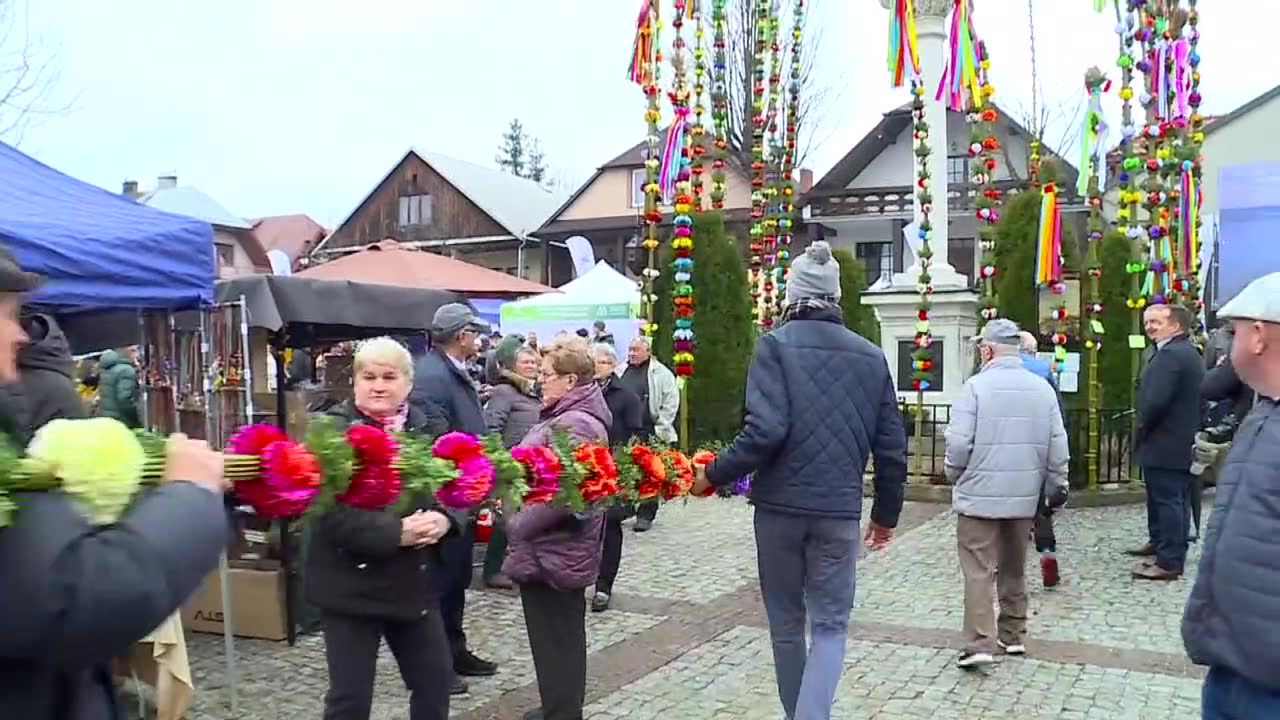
(820, 402)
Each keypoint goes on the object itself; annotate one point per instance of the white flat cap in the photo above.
(1259, 300)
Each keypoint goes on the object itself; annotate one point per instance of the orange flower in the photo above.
(680, 482)
(600, 473)
(653, 472)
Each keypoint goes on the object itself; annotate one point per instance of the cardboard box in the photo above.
(257, 605)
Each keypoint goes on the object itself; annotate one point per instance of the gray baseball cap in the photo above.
(1000, 331)
(1259, 300)
(13, 279)
(456, 317)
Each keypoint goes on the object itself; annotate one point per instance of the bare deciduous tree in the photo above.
(28, 75)
(816, 96)
(1055, 125)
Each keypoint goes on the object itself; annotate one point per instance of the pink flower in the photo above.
(254, 439)
(290, 481)
(476, 480)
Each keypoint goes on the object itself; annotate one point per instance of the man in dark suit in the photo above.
(1169, 414)
(442, 386)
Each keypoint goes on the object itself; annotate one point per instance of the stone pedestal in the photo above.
(953, 321)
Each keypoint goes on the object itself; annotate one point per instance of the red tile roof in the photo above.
(294, 234)
(389, 263)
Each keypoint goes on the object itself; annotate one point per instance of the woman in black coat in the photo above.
(628, 422)
(369, 571)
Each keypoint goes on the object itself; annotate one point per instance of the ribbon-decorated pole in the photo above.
(1129, 196)
(922, 355)
(758, 167)
(770, 297)
(1094, 132)
(1190, 127)
(679, 144)
(719, 101)
(645, 63)
(698, 132)
(787, 199)
(1153, 34)
(1049, 269)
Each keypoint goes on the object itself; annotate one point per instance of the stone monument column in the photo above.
(954, 316)
(931, 28)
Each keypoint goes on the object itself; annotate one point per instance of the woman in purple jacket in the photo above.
(554, 554)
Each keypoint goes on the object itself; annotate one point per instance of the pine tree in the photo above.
(536, 168)
(1016, 295)
(512, 156)
(1115, 361)
(853, 282)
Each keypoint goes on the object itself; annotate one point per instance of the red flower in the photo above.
(653, 473)
(289, 483)
(702, 459)
(375, 483)
(254, 439)
(680, 481)
(600, 473)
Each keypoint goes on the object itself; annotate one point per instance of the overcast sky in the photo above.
(282, 106)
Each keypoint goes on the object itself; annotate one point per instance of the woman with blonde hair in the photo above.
(555, 554)
(369, 571)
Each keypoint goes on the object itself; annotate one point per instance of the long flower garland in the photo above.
(1190, 126)
(1159, 252)
(645, 64)
(770, 296)
(1094, 134)
(1129, 197)
(719, 102)
(698, 132)
(787, 201)
(758, 167)
(679, 151)
(102, 464)
(922, 357)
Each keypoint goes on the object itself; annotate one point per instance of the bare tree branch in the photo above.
(28, 76)
(816, 96)
(1056, 126)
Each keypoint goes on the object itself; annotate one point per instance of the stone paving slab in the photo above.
(918, 583)
(731, 677)
(277, 681)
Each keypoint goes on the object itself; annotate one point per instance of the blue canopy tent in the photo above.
(99, 250)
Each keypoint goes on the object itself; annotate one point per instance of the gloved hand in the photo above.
(1205, 453)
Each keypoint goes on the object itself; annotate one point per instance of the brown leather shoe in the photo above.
(1155, 572)
(1145, 551)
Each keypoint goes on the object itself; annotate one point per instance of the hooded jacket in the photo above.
(48, 373)
(551, 545)
(118, 389)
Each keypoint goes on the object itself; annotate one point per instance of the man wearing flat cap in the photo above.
(76, 595)
(1006, 449)
(442, 386)
(1234, 609)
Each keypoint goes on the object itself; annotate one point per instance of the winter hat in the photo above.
(814, 275)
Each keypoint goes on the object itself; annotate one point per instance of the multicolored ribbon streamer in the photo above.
(1189, 216)
(671, 153)
(1049, 245)
(643, 49)
(1099, 5)
(904, 45)
(959, 83)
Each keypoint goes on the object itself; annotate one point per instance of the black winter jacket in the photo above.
(47, 388)
(355, 564)
(441, 388)
(820, 402)
(1168, 415)
(628, 412)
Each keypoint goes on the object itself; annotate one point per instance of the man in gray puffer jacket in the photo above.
(1005, 446)
(1234, 609)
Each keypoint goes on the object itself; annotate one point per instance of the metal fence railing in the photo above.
(926, 426)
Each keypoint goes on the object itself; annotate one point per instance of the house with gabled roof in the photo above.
(865, 200)
(238, 250)
(608, 211)
(452, 207)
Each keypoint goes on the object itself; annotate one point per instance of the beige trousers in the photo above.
(993, 558)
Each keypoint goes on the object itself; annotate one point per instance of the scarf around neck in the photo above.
(392, 423)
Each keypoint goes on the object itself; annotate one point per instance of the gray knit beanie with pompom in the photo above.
(814, 275)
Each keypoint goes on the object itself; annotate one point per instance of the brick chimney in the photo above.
(130, 189)
(166, 182)
(806, 180)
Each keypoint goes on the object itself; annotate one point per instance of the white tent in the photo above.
(599, 294)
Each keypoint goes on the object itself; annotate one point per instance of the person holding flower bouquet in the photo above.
(84, 581)
(369, 570)
(820, 402)
(554, 553)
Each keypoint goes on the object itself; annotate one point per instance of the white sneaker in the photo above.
(970, 660)
(1013, 648)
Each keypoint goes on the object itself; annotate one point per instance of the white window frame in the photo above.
(416, 210)
(639, 178)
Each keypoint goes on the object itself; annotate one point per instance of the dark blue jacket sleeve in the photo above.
(890, 453)
(767, 418)
(79, 594)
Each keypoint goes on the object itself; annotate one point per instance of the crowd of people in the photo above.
(820, 403)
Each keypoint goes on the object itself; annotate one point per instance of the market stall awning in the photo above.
(100, 250)
(389, 263)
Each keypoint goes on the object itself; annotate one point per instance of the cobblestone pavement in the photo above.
(687, 638)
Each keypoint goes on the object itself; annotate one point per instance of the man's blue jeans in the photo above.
(807, 564)
(1228, 696)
